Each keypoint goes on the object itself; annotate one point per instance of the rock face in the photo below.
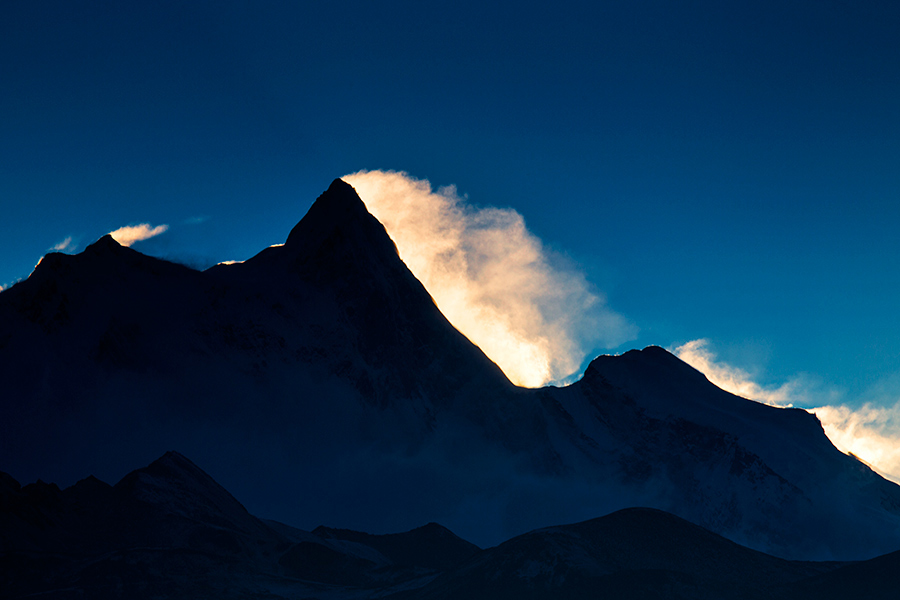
(319, 382)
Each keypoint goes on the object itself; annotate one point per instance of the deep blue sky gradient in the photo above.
(721, 170)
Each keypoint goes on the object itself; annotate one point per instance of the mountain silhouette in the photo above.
(319, 382)
(169, 530)
(632, 553)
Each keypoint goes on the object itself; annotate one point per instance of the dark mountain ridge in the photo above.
(321, 383)
(432, 545)
(169, 530)
(636, 552)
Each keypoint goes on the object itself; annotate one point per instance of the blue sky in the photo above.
(727, 171)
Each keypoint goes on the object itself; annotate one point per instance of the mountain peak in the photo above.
(655, 358)
(104, 254)
(177, 485)
(105, 244)
(339, 210)
(174, 468)
(340, 201)
(339, 232)
(175, 461)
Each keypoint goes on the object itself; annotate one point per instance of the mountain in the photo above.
(875, 578)
(166, 530)
(763, 476)
(632, 553)
(430, 546)
(322, 362)
(320, 383)
(170, 531)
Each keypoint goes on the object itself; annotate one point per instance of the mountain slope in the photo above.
(633, 553)
(320, 383)
(763, 476)
(169, 530)
(299, 361)
(430, 546)
(165, 530)
(875, 579)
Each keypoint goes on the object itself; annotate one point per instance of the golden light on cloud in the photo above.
(870, 433)
(130, 234)
(732, 379)
(529, 311)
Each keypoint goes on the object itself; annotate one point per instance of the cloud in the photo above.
(871, 432)
(196, 220)
(732, 379)
(136, 233)
(528, 309)
(64, 245)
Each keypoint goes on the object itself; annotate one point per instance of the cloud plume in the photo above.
(870, 432)
(136, 233)
(63, 245)
(697, 353)
(532, 313)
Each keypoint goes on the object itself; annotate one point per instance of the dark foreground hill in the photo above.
(632, 553)
(169, 531)
(321, 384)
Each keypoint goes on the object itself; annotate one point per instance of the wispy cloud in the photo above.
(136, 233)
(697, 353)
(871, 432)
(196, 220)
(527, 308)
(62, 246)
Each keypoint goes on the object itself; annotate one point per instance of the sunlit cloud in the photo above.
(62, 246)
(528, 309)
(871, 432)
(136, 233)
(697, 353)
